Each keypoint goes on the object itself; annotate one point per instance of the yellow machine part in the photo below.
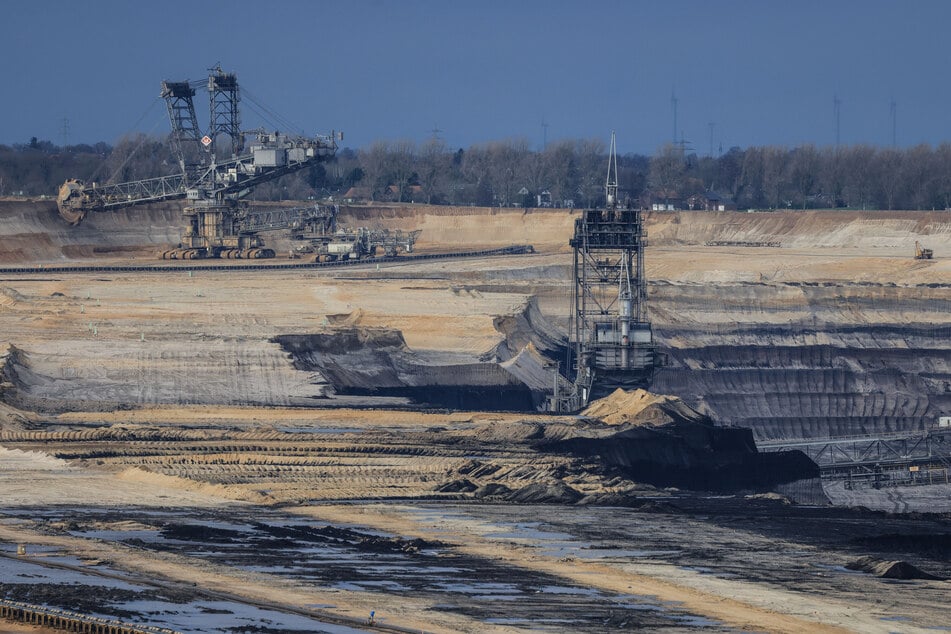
(69, 201)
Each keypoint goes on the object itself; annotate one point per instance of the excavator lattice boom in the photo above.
(213, 177)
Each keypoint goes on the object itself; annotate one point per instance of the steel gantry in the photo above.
(611, 337)
(907, 458)
(214, 177)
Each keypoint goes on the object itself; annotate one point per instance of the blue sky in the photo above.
(764, 72)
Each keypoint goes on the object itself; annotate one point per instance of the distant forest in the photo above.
(509, 173)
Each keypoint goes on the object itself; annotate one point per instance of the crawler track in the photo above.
(374, 462)
(519, 249)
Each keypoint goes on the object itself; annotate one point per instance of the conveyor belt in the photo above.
(519, 249)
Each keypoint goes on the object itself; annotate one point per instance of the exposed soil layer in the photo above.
(192, 426)
(693, 456)
(33, 232)
(815, 381)
(363, 362)
(529, 460)
(891, 569)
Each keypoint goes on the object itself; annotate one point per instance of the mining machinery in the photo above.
(299, 223)
(217, 170)
(358, 243)
(315, 231)
(922, 253)
(610, 337)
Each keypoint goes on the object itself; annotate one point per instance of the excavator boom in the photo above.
(202, 177)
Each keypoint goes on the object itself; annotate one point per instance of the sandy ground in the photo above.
(132, 373)
(736, 603)
(33, 479)
(16, 628)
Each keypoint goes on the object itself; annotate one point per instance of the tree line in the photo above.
(511, 173)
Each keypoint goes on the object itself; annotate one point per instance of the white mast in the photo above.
(610, 184)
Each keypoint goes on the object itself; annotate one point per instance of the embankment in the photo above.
(825, 229)
(836, 331)
(808, 361)
(33, 232)
(376, 362)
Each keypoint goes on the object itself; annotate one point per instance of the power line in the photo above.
(837, 112)
(894, 115)
(673, 105)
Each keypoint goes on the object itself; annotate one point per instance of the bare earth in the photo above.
(146, 406)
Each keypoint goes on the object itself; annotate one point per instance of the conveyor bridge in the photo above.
(921, 457)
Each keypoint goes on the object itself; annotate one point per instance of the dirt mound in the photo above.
(462, 485)
(640, 407)
(548, 492)
(891, 569)
(492, 490)
(555, 492)
(659, 440)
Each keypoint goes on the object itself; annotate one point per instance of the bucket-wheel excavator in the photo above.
(217, 170)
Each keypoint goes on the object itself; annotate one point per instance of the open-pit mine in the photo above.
(283, 445)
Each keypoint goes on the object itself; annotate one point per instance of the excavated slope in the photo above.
(475, 227)
(836, 360)
(837, 331)
(33, 232)
(660, 440)
(802, 229)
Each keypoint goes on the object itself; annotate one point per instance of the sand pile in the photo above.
(891, 569)
(642, 408)
(661, 441)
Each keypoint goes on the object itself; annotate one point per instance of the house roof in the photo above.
(357, 192)
(414, 189)
(714, 197)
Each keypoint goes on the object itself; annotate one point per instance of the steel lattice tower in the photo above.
(611, 336)
(223, 89)
(186, 136)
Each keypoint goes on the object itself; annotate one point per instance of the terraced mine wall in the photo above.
(843, 231)
(377, 363)
(516, 375)
(31, 231)
(848, 360)
(846, 336)
(695, 457)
